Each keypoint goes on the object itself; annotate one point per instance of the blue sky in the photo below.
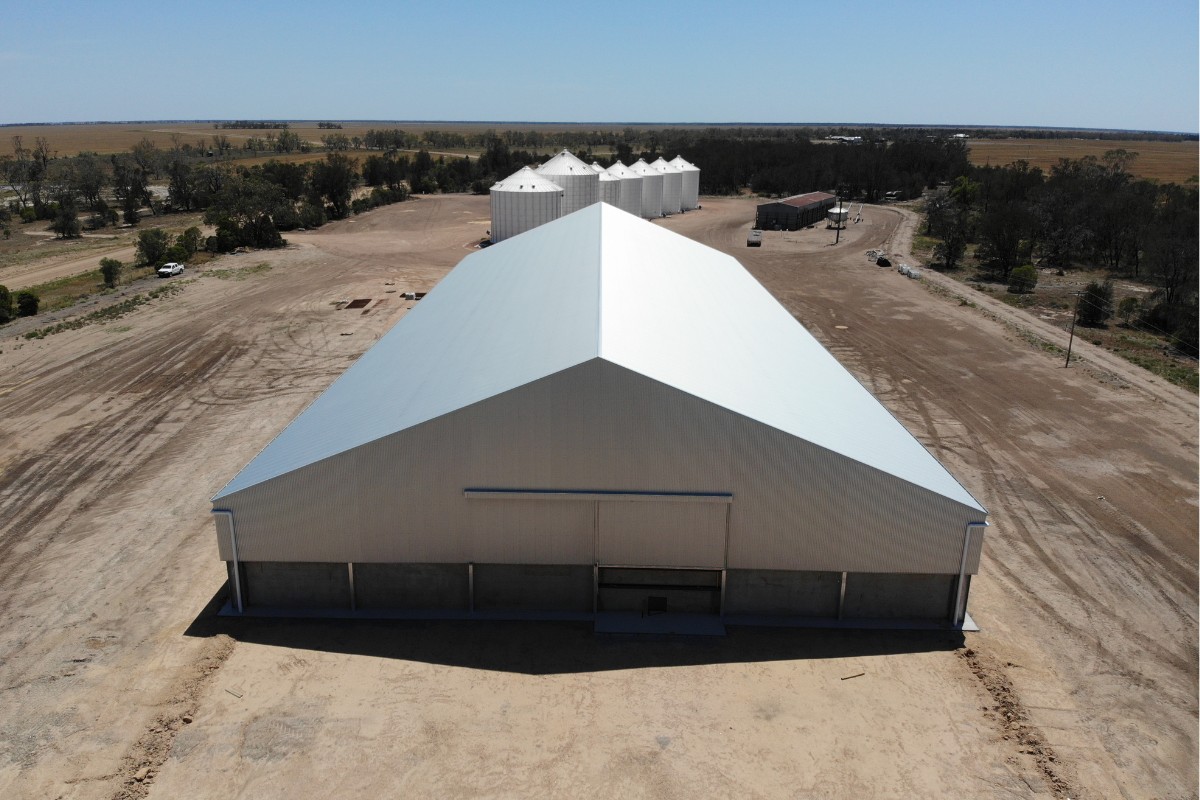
(1096, 64)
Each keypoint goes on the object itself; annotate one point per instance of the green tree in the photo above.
(244, 213)
(6, 304)
(953, 246)
(1095, 304)
(189, 240)
(110, 270)
(66, 217)
(89, 177)
(27, 304)
(152, 246)
(1023, 279)
(1004, 230)
(130, 185)
(333, 180)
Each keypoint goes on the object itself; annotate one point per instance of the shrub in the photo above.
(1185, 337)
(177, 252)
(1127, 309)
(28, 214)
(1023, 279)
(5, 304)
(1095, 304)
(311, 215)
(27, 304)
(110, 269)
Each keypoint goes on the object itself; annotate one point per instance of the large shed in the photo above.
(600, 415)
(793, 213)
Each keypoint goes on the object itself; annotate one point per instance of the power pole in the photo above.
(1071, 340)
(837, 205)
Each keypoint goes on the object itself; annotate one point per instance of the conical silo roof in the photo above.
(526, 180)
(580, 183)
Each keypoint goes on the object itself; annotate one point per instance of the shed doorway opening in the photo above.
(652, 590)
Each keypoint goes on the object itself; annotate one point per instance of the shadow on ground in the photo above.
(548, 648)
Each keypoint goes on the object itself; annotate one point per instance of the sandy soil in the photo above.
(113, 668)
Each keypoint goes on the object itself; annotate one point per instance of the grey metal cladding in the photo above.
(596, 426)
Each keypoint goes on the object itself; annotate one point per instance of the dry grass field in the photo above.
(1162, 161)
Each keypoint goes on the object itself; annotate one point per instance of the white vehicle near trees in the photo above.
(169, 269)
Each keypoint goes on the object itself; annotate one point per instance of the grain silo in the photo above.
(672, 185)
(690, 196)
(631, 188)
(580, 183)
(522, 201)
(652, 189)
(610, 187)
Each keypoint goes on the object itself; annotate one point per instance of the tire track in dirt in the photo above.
(113, 446)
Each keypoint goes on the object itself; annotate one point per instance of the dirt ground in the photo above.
(116, 680)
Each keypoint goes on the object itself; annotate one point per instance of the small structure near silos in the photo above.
(652, 189)
(672, 186)
(580, 183)
(631, 188)
(690, 195)
(793, 213)
(837, 216)
(546, 434)
(523, 201)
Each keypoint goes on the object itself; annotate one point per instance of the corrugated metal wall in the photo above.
(662, 534)
(596, 426)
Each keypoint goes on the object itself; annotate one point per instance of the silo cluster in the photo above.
(565, 184)
(631, 188)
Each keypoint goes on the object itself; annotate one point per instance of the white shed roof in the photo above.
(602, 283)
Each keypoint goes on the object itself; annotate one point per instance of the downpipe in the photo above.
(237, 567)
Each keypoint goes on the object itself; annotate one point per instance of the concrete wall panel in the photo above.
(416, 587)
(514, 587)
(296, 585)
(873, 595)
(769, 591)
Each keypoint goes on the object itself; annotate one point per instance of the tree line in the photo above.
(1086, 211)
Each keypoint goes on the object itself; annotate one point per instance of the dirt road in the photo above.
(113, 437)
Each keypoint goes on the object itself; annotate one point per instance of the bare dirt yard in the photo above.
(117, 680)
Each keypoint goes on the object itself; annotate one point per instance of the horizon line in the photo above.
(640, 123)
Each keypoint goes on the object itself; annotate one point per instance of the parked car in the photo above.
(169, 269)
